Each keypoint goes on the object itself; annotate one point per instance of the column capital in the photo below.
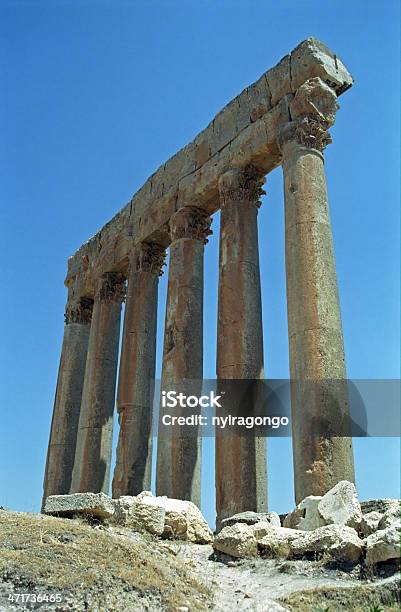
(239, 185)
(79, 312)
(312, 110)
(111, 287)
(148, 257)
(190, 222)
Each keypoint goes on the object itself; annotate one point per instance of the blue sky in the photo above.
(95, 96)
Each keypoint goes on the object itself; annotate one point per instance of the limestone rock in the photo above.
(306, 515)
(383, 545)
(340, 505)
(237, 540)
(276, 542)
(183, 520)
(251, 518)
(370, 523)
(96, 505)
(378, 505)
(134, 514)
(391, 516)
(338, 541)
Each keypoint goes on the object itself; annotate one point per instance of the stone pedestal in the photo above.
(67, 403)
(179, 456)
(317, 364)
(95, 431)
(132, 472)
(241, 480)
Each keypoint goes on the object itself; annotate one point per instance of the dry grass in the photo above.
(352, 599)
(89, 564)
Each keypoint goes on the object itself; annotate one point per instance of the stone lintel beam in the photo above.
(242, 134)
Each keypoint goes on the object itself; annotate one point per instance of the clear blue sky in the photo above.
(95, 96)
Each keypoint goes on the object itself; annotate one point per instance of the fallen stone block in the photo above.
(251, 518)
(276, 541)
(131, 512)
(337, 541)
(183, 520)
(340, 505)
(237, 540)
(370, 523)
(378, 505)
(383, 545)
(391, 516)
(96, 505)
(306, 515)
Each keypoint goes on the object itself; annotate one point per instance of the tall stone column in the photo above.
(317, 364)
(132, 472)
(179, 456)
(95, 429)
(241, 478)
(67, 403)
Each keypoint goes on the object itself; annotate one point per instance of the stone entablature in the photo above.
(244, 133)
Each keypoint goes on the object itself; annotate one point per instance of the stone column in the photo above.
(317, 364)
(241, 479)
(95, 431)
(132, 472)
(179, 457)
(67, 403)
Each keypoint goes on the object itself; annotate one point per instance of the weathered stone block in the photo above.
(305, 516)
(337, 541)
(237, 540)
(340, 505)
(313, 59)
(383, 545)
(97, 505)
(252, 518)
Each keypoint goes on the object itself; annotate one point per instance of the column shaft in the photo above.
(179, 456)
(95, 430)
(132, 472)
(67, 403)
(241, 479)
(317, 363)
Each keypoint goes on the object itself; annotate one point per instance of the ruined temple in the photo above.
(281, 120)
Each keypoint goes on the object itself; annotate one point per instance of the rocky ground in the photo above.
(98, 566)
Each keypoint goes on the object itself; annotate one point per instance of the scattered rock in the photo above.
(237, 540)
(183, 520)
(251, 518)
(340, 505)
(383, 545)
(95, 505)
(306, 515)
(378, 505)
(338, 541)
(370, 523)
(276, 542)
(134, 514)
(391, 516)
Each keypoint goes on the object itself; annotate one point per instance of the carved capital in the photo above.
(313, 110)
(79, 312)
(148, 257)
(111, 287)
(307, 132)
(238, 185)
(190, 222)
